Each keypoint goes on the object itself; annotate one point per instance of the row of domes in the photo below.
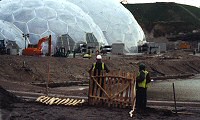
(109, 21)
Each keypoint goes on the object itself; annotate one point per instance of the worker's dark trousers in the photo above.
(102, 85)
(141, 98)
(97, 87)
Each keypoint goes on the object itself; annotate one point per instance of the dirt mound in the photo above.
(7, 98)
(31, 73)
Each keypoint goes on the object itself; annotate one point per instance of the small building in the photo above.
(65, 41)
(152, 47)
(117, 48)
(92, 43)
(12, 48)
(156, 47)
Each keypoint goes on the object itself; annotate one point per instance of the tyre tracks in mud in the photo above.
(31, 96)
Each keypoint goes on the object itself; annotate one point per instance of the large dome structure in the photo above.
(117, 23)
(107, 20)
(10, 32)
(40, 18)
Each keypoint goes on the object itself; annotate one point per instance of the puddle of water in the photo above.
(70, 88)
(185, 90)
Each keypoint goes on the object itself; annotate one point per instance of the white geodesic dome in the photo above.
(40, 18)
(108, 20)
(10, 32)
(117, 23)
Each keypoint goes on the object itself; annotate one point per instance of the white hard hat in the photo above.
(99, 57)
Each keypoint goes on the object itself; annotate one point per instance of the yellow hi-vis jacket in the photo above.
(95, 65)
(143, 84)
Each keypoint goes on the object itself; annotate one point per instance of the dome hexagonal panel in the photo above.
(77, 18)
(31, 3)
(76, 33)
(8, 8)
(57, 26)
(37, 25)
(30, 16)
(6, 17)
(83, 24)
(24, 15)
(22, 26)
(45, 13)
(114, 19)
(67, 17)
(10, 32)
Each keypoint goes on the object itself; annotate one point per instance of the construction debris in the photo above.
(59, 101)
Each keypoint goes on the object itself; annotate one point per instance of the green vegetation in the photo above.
(181, 17)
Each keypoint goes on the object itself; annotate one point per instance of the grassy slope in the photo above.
(150, 13)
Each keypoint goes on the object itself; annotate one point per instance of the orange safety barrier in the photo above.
(113, 89)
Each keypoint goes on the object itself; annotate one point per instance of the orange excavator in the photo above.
(36, 49)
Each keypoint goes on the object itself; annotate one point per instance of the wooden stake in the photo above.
(47, 82)
(174, 98)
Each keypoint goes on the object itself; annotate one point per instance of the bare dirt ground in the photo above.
(27, 111)
(13, 108)
(29, 74)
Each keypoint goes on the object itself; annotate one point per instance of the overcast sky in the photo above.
(188, 2)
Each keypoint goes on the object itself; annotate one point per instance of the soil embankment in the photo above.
(35, 69)
(22, 73)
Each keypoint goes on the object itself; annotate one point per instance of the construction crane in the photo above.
(36, 49)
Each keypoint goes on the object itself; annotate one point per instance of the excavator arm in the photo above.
(37, 50)
(42, 40)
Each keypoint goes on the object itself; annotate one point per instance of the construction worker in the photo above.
(97, 52)
(142, 81)
(97, 68)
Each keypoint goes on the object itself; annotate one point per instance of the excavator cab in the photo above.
(32, 46)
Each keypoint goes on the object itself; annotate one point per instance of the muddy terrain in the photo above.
(13, 108)
(27, 75)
